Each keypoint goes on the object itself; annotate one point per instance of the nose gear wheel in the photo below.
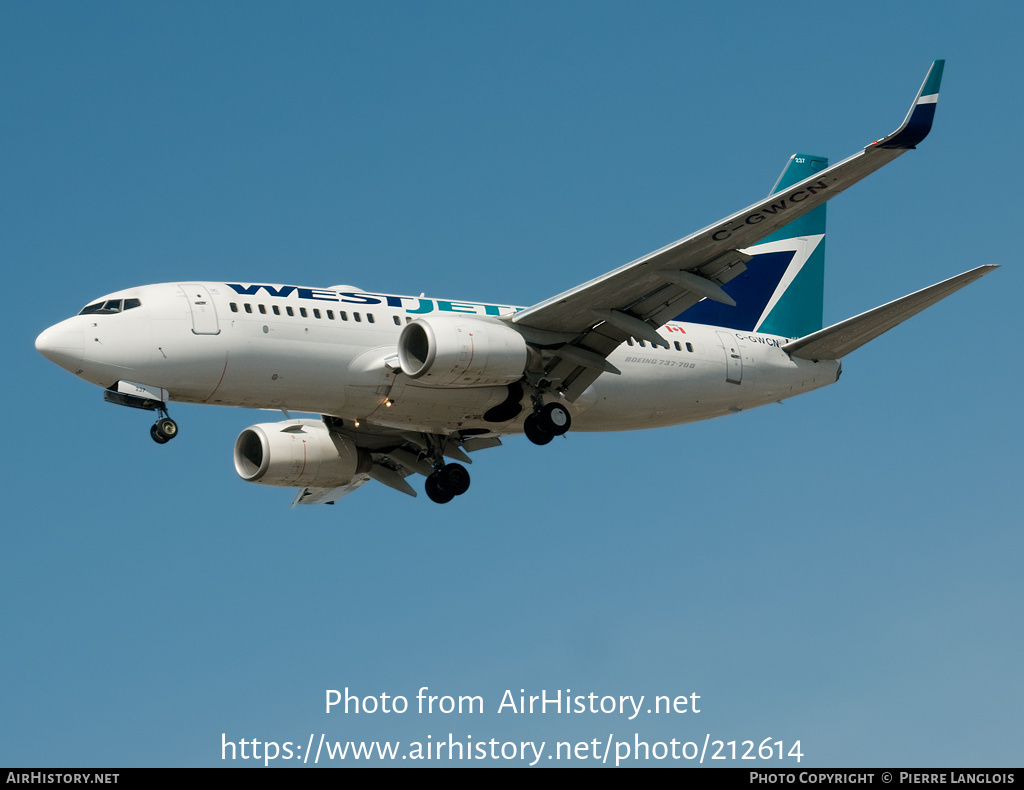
(163, 430)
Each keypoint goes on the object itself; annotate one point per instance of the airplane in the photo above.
(723, 320)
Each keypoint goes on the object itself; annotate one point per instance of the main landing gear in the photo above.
(164, 429)
(447, 482)
(546, 423)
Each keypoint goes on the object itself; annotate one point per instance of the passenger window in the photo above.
(263, 310)
(629, 341)
(248, 307)
(234, 307)
(689, 347)
(369, 317)
(357, 316)
(276, 309)
(330, 314)
(290, 311)
(316, 312)
(343, 314)
(678, 347)
(398, 321)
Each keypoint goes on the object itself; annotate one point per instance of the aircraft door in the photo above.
(204, 314)
(733, 358)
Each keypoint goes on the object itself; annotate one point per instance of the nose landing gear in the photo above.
(164, 430)
(150, 398)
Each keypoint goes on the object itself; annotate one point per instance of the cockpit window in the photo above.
(110, 306)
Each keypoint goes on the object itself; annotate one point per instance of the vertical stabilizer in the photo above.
(782, 290)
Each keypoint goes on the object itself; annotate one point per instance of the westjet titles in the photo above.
(357, 297)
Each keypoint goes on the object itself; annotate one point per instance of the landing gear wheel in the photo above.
(554, 418)
(435, 492)
(448, 482)
(164, 430)
(167, 427)
(535, 431)
(454, 478)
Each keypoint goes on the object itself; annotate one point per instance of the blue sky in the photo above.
(843, 569)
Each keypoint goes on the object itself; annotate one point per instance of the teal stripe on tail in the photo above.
(782, 290)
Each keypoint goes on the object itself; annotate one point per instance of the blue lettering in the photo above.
(321, 295)
(310, 293)
(253, 289)
(355, 298)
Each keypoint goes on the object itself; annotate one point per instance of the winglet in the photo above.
(922, 112)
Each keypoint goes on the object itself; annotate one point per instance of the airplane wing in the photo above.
(838, 340)
(579, 328)
(328, 496)
(395, 454)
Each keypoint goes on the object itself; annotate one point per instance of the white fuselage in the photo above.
(333, 351)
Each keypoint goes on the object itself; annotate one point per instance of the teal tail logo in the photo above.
(783, 288)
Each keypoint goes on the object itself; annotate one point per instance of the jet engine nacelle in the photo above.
(460, 351)
(297, 453)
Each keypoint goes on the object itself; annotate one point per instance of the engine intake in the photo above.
(462, 352)
(298, 453)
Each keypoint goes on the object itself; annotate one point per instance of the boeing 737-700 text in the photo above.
(723, 320)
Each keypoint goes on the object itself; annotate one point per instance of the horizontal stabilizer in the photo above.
(838, 340)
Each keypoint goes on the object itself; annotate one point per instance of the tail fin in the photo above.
(782, 290)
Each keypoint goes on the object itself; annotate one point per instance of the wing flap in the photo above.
(328, 496)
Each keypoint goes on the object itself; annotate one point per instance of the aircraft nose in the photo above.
(62, 344)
